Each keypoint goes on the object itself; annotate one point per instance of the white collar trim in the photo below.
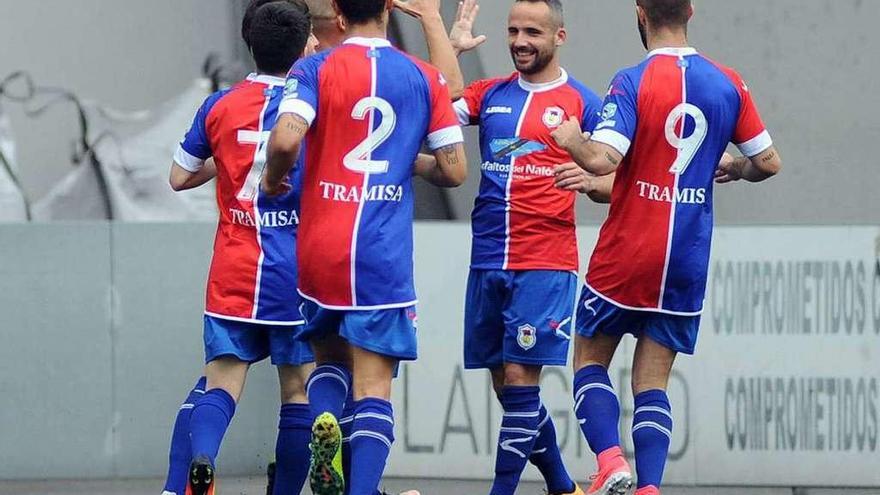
(266, 79)
(673, 51)
(547, 86)
(368, 42)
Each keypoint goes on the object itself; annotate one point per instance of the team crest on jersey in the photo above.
(553, 117)
(290, 87)
(526, 336)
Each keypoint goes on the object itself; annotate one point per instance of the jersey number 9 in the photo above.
(687, 146)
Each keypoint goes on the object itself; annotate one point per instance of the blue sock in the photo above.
(345, 425)
(209, 421)
(597, 408)
(652, 433)
(292, 448)
(547, 458)
(327, 388)
(519, 427)
(371, 437)
(180, 453)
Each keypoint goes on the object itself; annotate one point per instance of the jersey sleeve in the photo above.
(470, 105)
(750, 136)
(592, 110)
(619, 115)
(301, 90)
(444, 128)
(195, 148)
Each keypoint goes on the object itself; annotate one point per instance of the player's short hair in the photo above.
(556, 10)
(252, 8)
(279, 32)
(361, 11)
(666, 13)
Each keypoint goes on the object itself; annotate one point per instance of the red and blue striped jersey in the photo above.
(370, 107)
(672, 117)
(253, 274)
(521, 221)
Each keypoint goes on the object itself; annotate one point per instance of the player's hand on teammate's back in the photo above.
(571, 177)
(728, 170)
(462, 33)
(274, 190)
(419, 8)
(569, 135)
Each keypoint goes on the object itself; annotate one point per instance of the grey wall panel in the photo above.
(159, 273)
(55, 358)
(159, 283)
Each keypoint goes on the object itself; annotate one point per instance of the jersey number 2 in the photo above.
(687, 146)
(359, 159)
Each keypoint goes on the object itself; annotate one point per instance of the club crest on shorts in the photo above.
(526, 336)
(553, 117)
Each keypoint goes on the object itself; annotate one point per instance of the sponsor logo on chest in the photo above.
(499, 109)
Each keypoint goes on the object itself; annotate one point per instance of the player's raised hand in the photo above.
(462, 33)
(419, 8)
(274, 190)
(569, 134)
(571, 177)
(727, 170)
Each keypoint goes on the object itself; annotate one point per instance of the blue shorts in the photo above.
(389, 332)
(521, 317)
(254, 342)
(595, 314)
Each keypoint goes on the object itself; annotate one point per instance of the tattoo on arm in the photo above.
(297, 125)
(611, 159)
(769, 157)
(450, 154)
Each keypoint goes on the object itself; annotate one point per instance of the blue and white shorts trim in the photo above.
(389, 332)
(254, 342)
(597, 314)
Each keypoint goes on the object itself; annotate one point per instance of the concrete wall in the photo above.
(129, 55)
(101, 341)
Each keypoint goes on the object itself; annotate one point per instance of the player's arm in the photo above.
(571, 177)
(182, 179)
(756, 168)
(594, 157)
(446, 167)
(283, 150)
(440, 51)
(760, 160)
(193, 164)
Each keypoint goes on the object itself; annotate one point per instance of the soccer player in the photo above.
(524, 259)
(666, 124)
(252, 308)
(355, 245)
